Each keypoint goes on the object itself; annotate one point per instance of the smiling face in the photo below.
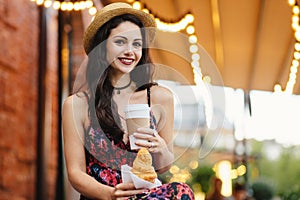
(124, 48)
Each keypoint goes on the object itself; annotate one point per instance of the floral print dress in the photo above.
(104, 159)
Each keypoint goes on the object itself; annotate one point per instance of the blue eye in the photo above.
(120, 42)
(137, 44)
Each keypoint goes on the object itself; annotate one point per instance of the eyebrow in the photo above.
(125, 38)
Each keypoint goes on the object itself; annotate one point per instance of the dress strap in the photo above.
(148, 96)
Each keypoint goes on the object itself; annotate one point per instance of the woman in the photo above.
(95, 138)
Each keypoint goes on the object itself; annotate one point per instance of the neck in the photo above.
(122, 85)
(119, 80)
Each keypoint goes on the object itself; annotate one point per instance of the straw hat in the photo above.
(110, 11)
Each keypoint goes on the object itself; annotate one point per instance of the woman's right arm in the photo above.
(73, 117)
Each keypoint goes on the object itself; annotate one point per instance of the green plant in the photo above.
(293, 194)
(202, 175)
(262, 190)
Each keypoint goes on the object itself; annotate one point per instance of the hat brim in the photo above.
(107, 14)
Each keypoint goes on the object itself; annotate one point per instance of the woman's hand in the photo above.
(125, 190)
(150, 140)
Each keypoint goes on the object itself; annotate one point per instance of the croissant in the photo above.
(142, 166)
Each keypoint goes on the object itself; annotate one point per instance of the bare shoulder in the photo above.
(76, 103)
(161, 95)
(77, 100)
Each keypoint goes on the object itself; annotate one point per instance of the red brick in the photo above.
(18, 103)
(2, 88)
(18, 175)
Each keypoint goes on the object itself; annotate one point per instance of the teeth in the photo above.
(126, 60)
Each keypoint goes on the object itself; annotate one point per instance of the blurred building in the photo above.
(33, 49)
(40, 53)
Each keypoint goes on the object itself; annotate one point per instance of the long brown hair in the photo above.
(102, 108)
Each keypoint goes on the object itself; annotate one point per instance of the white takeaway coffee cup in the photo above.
(136, 115)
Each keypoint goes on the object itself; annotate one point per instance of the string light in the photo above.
(77, 6)
(296, 56)
(93, 11)
(48, 3)
(193, 39)
(56, 5)
(190, 29)
(185, 23)
(39, 2)
(277, 88)
(66, 6)
(177, 26)
(292, 2)
(137, 5)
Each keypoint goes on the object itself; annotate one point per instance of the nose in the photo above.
(128, 50)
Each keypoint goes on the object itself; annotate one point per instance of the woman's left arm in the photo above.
(163, 156)
(160, 141)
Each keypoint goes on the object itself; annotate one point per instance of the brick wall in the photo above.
(52, 112)
(78, 58)
(18, 101)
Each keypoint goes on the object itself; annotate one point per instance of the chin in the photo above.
(126, 70)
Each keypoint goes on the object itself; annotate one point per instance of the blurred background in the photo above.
(232, 66)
